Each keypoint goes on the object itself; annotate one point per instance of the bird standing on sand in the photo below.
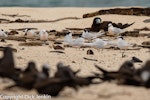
(68, 38)
(30, 33)
(3, 33)
(114, 30)
(73, 42)
(89, 36)
(98, 44)
(123, 45)
(77, 42)
(43, 35)
(125, 70)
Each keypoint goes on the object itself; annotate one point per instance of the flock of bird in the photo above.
(30, 34)
(43, 83)
(31, 78)
(92, 35)
(94, 40)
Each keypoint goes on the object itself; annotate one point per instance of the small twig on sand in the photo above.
(15, 15)
(75, 29)
(89, 59)
(17, 38)
(22, 29)
(31, 44)
(57, 52)
(39, 21)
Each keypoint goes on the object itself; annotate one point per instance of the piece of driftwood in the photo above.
(145, 46)
(145, 35)
(65, 32)
(89, 59)
(57, 52)
(57, 42)
(22, 29)
(116, 48)
(131, 33)
(136, 33)
(146, 43)
(39, 21)
(15, 15)
(143, 29)
(13, 37)
(79, 29)
(3, 20)
(66, 45)
(12, 32)
(121, 11)
(138, 48)
(31, 44)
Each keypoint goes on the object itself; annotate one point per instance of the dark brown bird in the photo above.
(99, 25)
(63, 77)
(46, 70)
(128, 75)
(27, 78)
(64, 71)
(51, 86)
(141, 77)
(147, 68)
(7, 65)
(126, 69)
(31, 76)
(144, 74)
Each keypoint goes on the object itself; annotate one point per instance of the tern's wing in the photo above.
(118, 30)
(122, 26)
(123, 42)
(112, 43)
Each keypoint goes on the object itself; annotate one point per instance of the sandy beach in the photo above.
(109, 59)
